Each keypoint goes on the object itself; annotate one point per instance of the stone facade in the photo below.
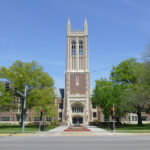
(77, 105)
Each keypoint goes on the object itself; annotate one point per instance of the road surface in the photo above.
(75, 143)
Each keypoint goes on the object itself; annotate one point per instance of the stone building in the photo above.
(76, 104)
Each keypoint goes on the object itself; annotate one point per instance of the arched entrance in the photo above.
(77, 120)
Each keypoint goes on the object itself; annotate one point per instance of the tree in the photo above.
(43, 99)
(124, 73)
(105, 94)
(130, 74)
(32, 75)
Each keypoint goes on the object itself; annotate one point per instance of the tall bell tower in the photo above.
(77, 105)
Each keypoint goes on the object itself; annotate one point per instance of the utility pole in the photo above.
(113, 118)
(24, 108)
(7, 86)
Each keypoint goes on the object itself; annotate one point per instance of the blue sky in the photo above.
(36, 30)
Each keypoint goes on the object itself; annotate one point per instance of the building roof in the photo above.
(59, 93)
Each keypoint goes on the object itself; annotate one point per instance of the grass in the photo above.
(12, 129)
(131, 129)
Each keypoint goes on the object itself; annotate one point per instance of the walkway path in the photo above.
(98, 131)
(59, 131)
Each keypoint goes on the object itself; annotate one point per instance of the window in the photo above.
(129, 118)
(135, 118)
(13, 118)
(60, 115)
(77, 109)
(106, 119)
(77, 80)
(132, 118)
(18, 118)
(80, 48)
(73, 47)
(94, 115)
(5, 118)
(144, 118)
(48, 118)
(93, 106)
(60, 105)
(36, 118)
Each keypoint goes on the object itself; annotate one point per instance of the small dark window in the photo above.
(106, 119)
(60, 115)
(73, 47)
(5, 119)
(18, 118)
(80, 48)
(144, 118)
(129, 118)
(36, 118)
(13, 118)
(93, 106)
(60, 105)
(94, 115)
(48, 118)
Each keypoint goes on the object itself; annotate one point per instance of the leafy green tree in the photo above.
(40, 84)
(130, 74)
(105, 94)
(43, 99)
(124, 73)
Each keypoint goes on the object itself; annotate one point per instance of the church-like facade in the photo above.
(77, 105)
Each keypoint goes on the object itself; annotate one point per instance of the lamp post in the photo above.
(113, 118)
(24, 108)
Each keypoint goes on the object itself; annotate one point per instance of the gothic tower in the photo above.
(77, 105)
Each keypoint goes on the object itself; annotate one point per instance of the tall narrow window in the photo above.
(73, 47)
(80, 47)
(77, 80)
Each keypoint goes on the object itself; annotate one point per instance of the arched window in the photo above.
(77, 108)
(73, 47)
(80, 47)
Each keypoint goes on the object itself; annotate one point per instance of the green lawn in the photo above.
(131, 129)
(12, 129)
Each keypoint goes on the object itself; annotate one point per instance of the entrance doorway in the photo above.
(77, 120)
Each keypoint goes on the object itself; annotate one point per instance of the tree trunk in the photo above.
(139, 118)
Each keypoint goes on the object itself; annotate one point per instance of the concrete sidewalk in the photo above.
(98, 131)
(59, 131)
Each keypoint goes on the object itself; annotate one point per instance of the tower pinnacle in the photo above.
(68, 27)
(85, 28)
(85, 21)
(68, 21)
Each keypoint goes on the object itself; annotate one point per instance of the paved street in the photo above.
(75, 142)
